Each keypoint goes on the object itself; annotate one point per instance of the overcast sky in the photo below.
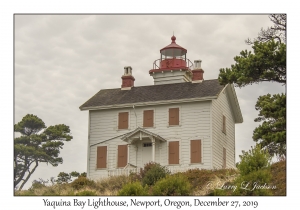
(63, 60)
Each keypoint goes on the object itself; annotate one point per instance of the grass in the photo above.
(202, 182)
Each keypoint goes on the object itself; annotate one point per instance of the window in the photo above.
(148, 118)
(174, 116)
(196, 151)
(123, 120)
(224, 125)
(224, 157)
(147, 145)
(101, 156)
(122, 155)
(174, 152)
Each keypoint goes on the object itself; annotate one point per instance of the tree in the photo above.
(37, 144)
(266, 63)
(276, 32)
(67, 177)
(271, 134)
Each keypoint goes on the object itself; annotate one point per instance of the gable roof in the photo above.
(142, 132)
(153, 94)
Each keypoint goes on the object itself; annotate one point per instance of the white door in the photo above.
(146, 152)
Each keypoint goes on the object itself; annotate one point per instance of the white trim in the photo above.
(89, 147)
(149, 103)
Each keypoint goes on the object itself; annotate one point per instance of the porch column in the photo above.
(153, 149)
(128, 152)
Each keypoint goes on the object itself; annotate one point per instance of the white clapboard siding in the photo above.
(221, 107)
(194, 123)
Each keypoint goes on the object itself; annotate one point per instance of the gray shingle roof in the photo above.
(153, 93)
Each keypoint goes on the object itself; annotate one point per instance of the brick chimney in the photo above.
(197, 72)
(127, 78)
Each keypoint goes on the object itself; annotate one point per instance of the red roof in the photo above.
(173, 45)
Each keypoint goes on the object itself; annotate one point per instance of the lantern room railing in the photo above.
(157, 63)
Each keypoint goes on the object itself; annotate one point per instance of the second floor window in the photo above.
(123, 120)
(174, 116)
(148, 118)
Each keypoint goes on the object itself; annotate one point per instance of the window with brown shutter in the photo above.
(195, 151)
(122, 155)
(148, 118)
(174, 152)
(174, 116)
(123, 120)
(224, 157)
(101, 156)
(224, 124)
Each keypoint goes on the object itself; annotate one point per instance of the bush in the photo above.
(86, 193)
(152, 173)
(250, 184)
(81, 182)
(133, 189)
(172, 185)
(253, 160)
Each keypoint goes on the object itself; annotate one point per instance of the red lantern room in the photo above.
(172, 57)
(173, 66)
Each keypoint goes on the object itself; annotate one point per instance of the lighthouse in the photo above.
(173, 66)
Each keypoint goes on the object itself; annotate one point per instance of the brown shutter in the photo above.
(123, 120)
(224, 157)
(224, 124)
(174, 116)
(174, 152)
(101, 156)
(122, 155)
(195, 151)
(148, 118)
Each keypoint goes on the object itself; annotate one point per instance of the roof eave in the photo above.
(234, 102)
(149, 103)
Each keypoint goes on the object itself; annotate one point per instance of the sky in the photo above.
(63, 60)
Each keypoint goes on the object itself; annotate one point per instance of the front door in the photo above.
(146, 152)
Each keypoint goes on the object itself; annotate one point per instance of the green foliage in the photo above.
(271, 134)
(86, 193)
(255, 171)
(253, 160)
(67, 177)
(267, 63)
(176, 185)
(133, 189)
(36, 144)
(81, 182)
(253, 183)
(153, 172)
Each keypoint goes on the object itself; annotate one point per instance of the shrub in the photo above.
(86, 193)
(152, 173)
(253, 160)
(81, 182)
(172, 185)
(133, 189)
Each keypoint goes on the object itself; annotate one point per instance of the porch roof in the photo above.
(143, 132)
